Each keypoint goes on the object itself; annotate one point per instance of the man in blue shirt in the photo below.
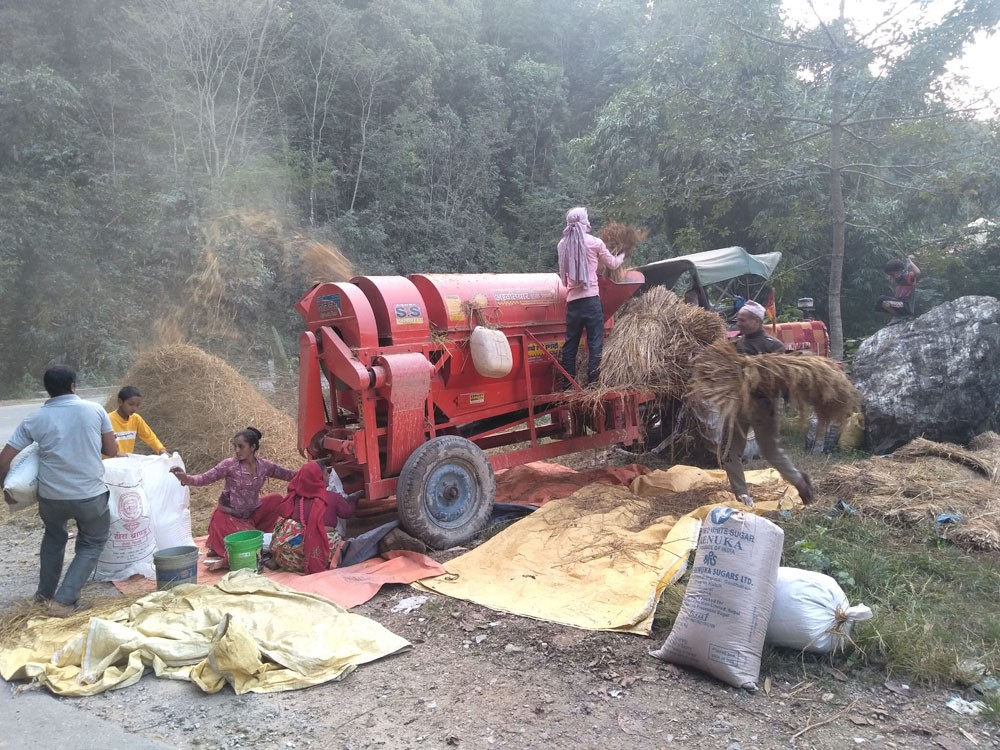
(71, 434)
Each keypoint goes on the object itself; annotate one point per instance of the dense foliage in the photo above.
(160, 160)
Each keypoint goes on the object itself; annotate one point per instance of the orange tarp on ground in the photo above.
(538, 482)
(347, 587)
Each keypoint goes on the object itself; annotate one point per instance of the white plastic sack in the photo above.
(131, 543)
(21, 483)
(811, 612)
(169, 500)
(723, 619)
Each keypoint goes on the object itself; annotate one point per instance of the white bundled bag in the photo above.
(723, 619)
(491, 353)
(131, 544)
(812, 613)
(20, 487)
(169, 501)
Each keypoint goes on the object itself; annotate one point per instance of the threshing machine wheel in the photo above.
(445, 492)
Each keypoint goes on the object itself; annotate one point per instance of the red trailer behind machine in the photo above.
(390, 394)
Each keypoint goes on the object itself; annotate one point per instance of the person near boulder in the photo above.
(902, 277)
(129, 426)
(764, 416)
(71, 434)
(241, 507)
(580, 255)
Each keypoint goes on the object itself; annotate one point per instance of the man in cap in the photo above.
(580, 255)
(764, 417)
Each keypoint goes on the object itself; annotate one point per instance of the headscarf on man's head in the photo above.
(573, 248)
(754, 308)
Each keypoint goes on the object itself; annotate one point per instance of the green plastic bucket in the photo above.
(174, 566)
(244, 549)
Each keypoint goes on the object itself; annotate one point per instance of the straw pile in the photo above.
(923, 480)
(195, 403)
(655, 339)
(730, 382)
(921, 448)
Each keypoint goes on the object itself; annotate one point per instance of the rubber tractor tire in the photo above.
(445, 492)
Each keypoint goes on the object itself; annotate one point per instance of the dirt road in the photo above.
(480, 679)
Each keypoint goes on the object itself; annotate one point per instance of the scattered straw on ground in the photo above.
(955, 453)
(195, 403)
(730, 382)
(919, 483)
(15, 620)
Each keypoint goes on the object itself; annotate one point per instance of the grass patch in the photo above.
(935, 605)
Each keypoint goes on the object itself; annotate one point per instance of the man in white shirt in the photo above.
(71, 434)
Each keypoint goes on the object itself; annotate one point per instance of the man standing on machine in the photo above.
(580, 256)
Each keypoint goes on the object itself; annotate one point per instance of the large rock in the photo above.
(937, 376)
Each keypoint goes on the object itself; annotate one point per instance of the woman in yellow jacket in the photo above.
(128, 425)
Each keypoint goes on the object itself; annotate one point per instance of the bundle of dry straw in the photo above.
(651, 347)
(923, 480)
(621, 239)
(730, 382)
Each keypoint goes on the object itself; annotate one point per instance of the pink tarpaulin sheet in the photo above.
(347, 587)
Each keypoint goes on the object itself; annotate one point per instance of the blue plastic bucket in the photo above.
(174, 566)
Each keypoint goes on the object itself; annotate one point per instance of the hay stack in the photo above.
(195, 403)
(730, 381)
(655, 339)
(921, 481)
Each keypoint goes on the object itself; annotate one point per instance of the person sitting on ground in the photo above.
(902, 277)
(305, 537)
(241, 507)
(128, 425)
(764, 418)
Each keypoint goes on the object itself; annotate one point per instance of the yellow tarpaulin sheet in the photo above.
(598, 559)
(247, 631)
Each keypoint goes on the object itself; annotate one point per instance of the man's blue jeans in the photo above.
(93, 522)
(584, 314)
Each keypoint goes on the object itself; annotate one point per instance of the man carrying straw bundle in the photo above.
(580, 255)
(763, 416)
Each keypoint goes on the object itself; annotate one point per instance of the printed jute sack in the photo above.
(723, 619)
(131, 543)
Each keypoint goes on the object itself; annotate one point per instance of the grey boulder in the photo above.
(937, 376)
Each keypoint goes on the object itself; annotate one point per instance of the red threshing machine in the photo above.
(390, 395)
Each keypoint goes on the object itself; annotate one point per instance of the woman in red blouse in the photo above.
(241, 508)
